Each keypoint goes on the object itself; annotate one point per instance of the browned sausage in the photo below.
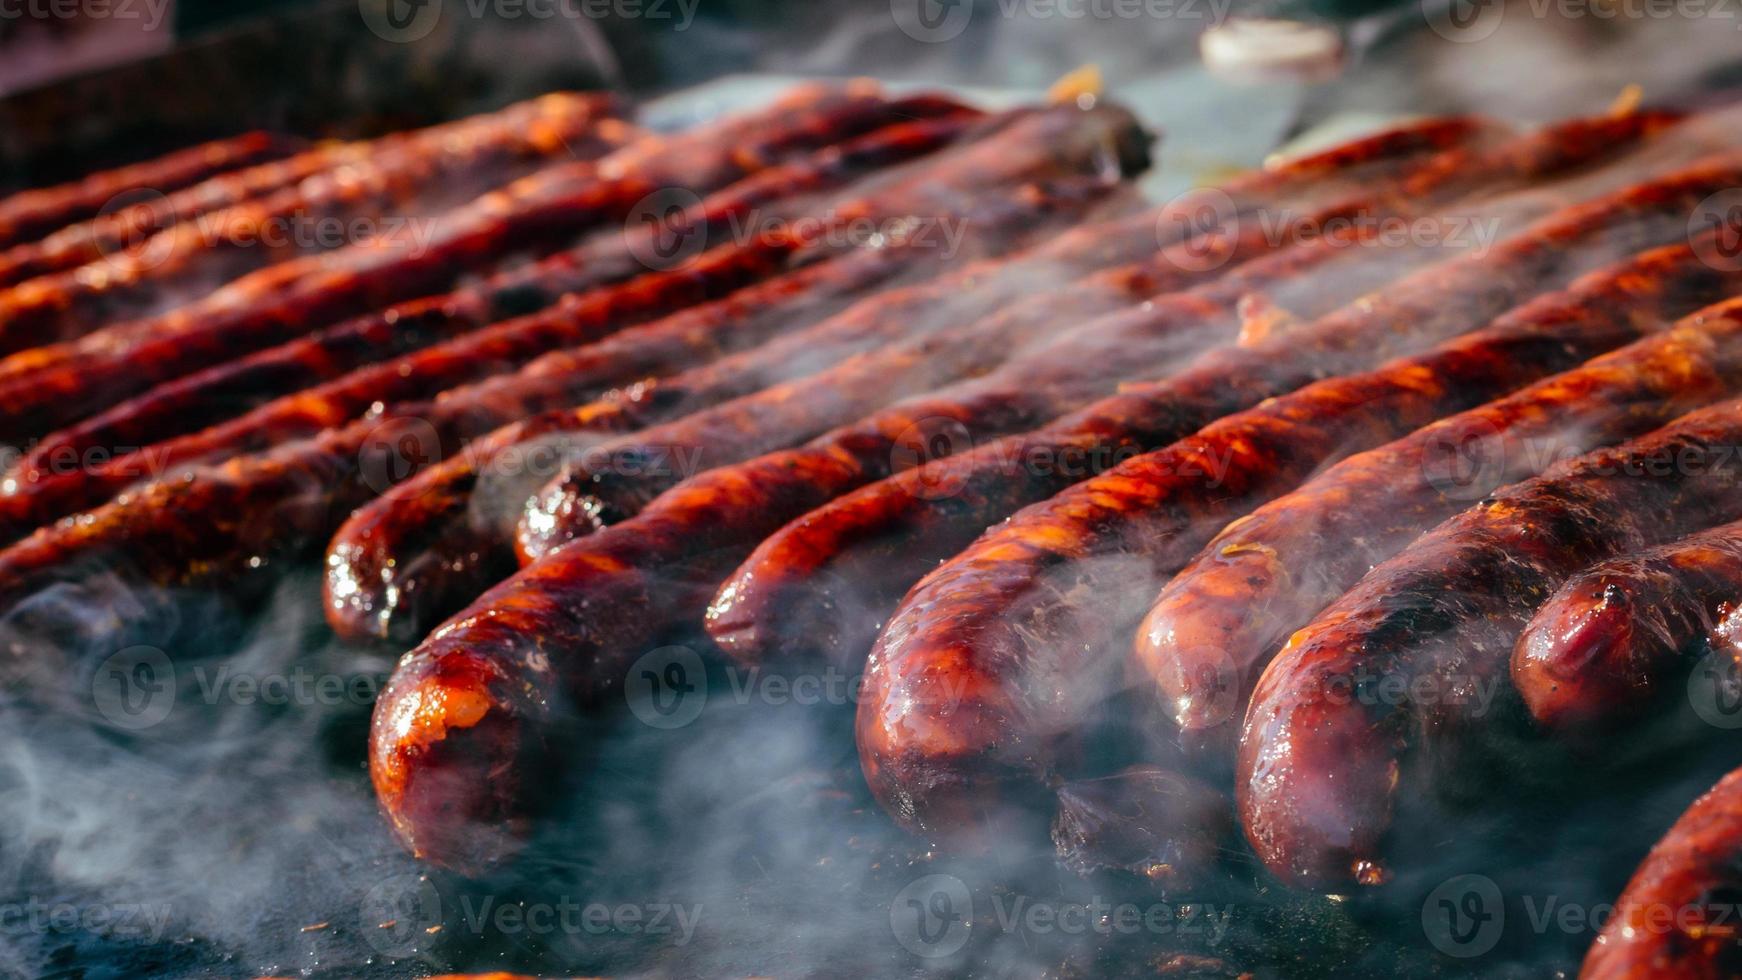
(1220, 619)
(391, 200)
(1323, 757)
(1680, 918)
(476, 717)
(49, 386)
(1027, 624)
(132, 222)
(28, 215)
(42, 486)
(1596, 655)
(876, 542)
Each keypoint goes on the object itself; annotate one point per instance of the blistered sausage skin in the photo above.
(387, 199)
(1322, 763)
(40, 489)
(884, 537)
(1029, 622)
(1598, 653)
(429, 546)
(56, 384)
(1216, 624)
(475, 713)
(28, 215)
(239, 523)
(129, 221)
(1680, 917)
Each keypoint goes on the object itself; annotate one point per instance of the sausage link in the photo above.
(1217, 623)
(53, 385)
(1600, 649)
(108, 234)
(429, 546)
(434, 542)
(421, 325)
(210, 525)
(1677, 919)
(877, 541)
(428, 175)
(28, 215)
(475, 717)
(1321, 764)
(1028, 622)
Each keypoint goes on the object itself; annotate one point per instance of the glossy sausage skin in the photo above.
(131, 222)
(884, 537)
(388, 197)
(50, 386)
(238, 523)
(1028, 622)
(1678, 918)
(1599, 651)
(1324, 759)
(1218, 622)
(475, 714)
(37, 494)
(28, 215)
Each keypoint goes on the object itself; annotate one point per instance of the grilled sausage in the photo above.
(1678, 918)
(1600, 649)
(1028, 621)
(107, 234)
(1321, 762)
(492, 691)
(428, 546)
(880, 539)
(1218, 621)
(578, 320)
(53, 385)
(28, 215)
(430, 174)
(416, 325)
